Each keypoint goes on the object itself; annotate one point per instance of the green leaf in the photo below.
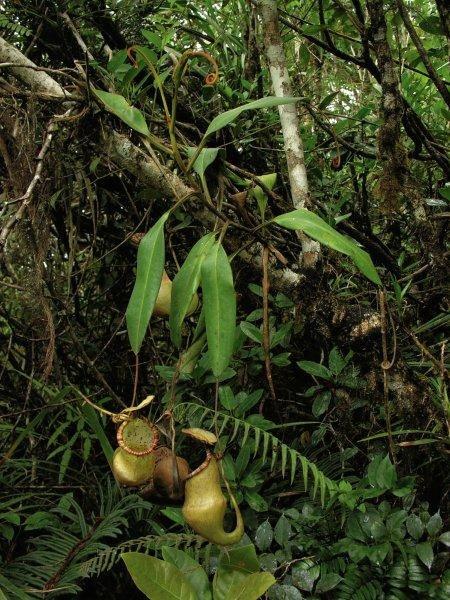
(327, 582)
(316, 228)
(41, 520)
(386, 475)
(328, 100)
(256, 501)
(13, 591)
(445, 193)
(252, 587)
(251, 331)
(190, 568)
(227, 398)
(282, 531)
(304, 574)
(229, 116)
(150, 267)
(314, 368)
(378, 553)
(434, 525)
(445, 538)
(432, 24)
(336, 362)
(206, 157)
(321, 403)
(219, 302)
(119, 106)
(414, 526)
(185, 284)
(157, 579)
(425, 553)
(264, 536)
(95, 424)
(234, 566)
(152, 38)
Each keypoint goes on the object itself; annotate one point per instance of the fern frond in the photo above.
(14, 28)
(356, 587)
(280, 452)
(106, 559)
(54, 565)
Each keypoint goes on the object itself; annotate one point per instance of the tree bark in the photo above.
(293, 144)
(28, 72)
(391, 150)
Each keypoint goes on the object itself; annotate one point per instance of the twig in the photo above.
(28, 196)
(425, 351)
(433, 74)
(76, 35)
(99, 376)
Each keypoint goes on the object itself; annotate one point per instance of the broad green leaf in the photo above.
(256, 501)
(434, 525)
(264, 536)
(314, 368)
(234, 566)
(153, 38)
(316, 228)
(282, 531)
(119, 106)
(150, 267)
(321, 403)
(327, 582)
(425, 553)
(251, 331)
(336, 362)
(157, 579)
(415, 526)
(190, 568)
(206, 157)
(252, 587)
(386, 474)
(304, 574)
(219, 303)
(229, 116)
(185, 284)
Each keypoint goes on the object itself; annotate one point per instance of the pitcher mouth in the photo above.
(138, 443)
(201, 467)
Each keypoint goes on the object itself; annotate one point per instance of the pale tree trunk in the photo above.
(293, 145)
(25, 70)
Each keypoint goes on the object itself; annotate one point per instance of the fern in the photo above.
(14, 28)
(54, 565)
(356, 586)
(106, 559)
(265, 442)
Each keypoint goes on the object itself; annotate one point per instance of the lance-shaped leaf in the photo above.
(150, 266)
(119, 106)
(319, 230)
(206, 157)
(219, 305)
(229, 116)
(185, 285)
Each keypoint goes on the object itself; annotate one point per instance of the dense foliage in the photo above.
(324, 379)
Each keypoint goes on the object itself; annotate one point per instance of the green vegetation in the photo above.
(166, 171)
